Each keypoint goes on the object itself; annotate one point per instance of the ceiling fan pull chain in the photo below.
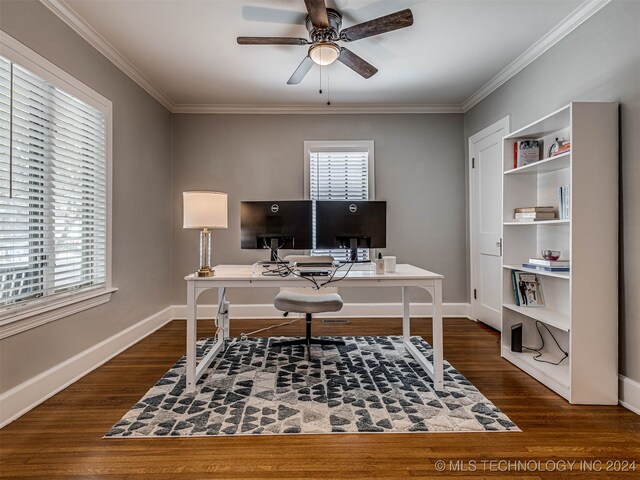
(320, 89)
(328, 88)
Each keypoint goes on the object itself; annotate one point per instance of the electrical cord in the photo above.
(538, 357)
(335, 270)
(245, 336)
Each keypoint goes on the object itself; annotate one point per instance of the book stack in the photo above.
(548, 265)
(563, 202)
(534, 214)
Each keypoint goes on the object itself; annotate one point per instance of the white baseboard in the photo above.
(350, 310)
(629, 394)
(22, 398)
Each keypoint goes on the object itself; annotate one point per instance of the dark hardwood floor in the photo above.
(62, 438)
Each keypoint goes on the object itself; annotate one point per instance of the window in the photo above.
(53, 188)
(339, 171)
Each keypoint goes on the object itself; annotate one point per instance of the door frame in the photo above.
(503, 124)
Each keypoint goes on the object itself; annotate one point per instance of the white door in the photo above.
(485, 195)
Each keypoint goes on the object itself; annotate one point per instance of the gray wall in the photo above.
(141, 210)
(419, 170)
(599, 61)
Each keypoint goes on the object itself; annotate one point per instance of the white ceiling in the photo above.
(187, 48)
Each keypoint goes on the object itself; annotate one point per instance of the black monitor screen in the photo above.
(349, 224)
(279, 224)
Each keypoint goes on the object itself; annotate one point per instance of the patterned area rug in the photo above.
(369, 385)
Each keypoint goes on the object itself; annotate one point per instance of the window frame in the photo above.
(41, 311)
(339, 146)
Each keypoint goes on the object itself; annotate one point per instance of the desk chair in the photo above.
(308, 301)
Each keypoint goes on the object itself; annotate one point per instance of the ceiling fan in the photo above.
(324, 26)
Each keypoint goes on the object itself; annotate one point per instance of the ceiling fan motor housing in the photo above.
(326, 34)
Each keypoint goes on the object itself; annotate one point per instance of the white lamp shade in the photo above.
(324, 53)
(204, 210)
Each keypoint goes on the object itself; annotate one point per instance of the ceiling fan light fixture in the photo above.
(324, 53)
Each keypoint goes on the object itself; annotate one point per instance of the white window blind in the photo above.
(52, 191)
(338, 176)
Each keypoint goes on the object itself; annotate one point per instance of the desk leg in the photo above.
(438, 357)
(192, 326)
(406, 315)
(223, 321)
(434, 369)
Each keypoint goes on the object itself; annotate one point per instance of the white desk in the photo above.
(242, 276)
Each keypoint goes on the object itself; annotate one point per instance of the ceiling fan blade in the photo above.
(272, 41)
(273, 15)
(301, 71)
(318, 13)
(356, 63)
(388, 23)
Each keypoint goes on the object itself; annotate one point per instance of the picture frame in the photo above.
(527, 288)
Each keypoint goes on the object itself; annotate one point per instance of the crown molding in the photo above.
(566, 26)
(557, 33)
(97, 41)
(314, 109)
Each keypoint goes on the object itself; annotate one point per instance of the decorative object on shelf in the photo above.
(558, 147)
(528, 289)
(204, 210)
(563, 202)
(552, 255)
(527, 152)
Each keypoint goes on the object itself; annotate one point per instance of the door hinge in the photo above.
(475, 294)
(473, 163)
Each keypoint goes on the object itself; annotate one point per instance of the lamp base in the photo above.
(205, 272)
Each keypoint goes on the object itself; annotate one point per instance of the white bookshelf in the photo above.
(581, 306)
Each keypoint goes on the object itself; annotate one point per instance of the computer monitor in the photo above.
(351, 224)
(275, 225)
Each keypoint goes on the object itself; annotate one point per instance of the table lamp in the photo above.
(204, 210)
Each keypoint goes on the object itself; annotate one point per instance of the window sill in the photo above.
(16, 322)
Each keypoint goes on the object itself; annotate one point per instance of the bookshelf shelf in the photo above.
(541, 222)
(581, 309)
(545, 165)
(559, 374)
(565, 275)
(559, 320)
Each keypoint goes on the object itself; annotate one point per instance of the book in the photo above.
(531, 220)
(528, 289)
(545, 215)
(534, 209)
(549, 263)
(565, 268)
(563, 202)
(528, 152)
(515, 287)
